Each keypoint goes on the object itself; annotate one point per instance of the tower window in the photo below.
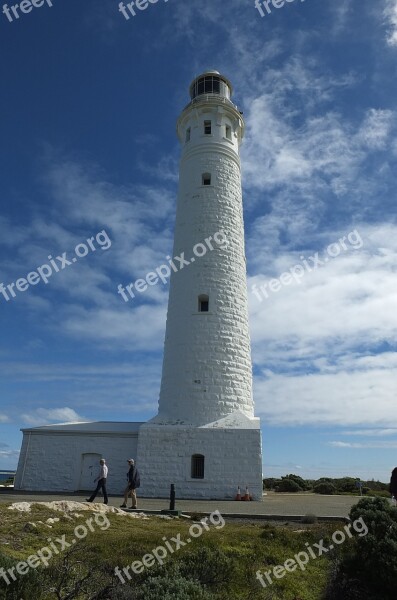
(188, 131)
(228, 132)
(207, 127)
(197, 466)
(206, 179)
(203, 303)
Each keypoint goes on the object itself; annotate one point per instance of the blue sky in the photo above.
(88, 145)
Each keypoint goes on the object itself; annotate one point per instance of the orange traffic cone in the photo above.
(247, 496)
(238, 497)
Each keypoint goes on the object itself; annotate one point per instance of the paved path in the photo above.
(273, 504)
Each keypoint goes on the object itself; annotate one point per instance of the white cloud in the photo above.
(10, 455)
(391, 17)
(371, 432)
(323, 349)
(343, 398)
(380, 445)
(4, 418)
(324, 153)
(44, 416)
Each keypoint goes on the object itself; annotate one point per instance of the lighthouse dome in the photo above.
(211, 82)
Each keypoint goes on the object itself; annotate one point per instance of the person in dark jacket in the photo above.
(133, 483)
(393, 483)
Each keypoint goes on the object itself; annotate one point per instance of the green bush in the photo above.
(303, 484)
(369, 563)
(288, 485)
(379, 494)
(171, 587)
(270, 483)
(324, 488)
(377, 485)
(346, 484)
(210, 567)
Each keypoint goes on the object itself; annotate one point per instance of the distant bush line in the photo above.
(327, 485)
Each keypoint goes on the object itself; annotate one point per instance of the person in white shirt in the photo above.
(101, 479)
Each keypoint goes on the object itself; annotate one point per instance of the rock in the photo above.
(21, 506)
(70, 509)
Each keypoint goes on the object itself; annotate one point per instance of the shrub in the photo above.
(303, 484)
(324, 488)
(379, 494)
(346, 484)
(206, 565)
(288, 485)
(369, 563)
(270, 483)
(376, 553)
(171, 587)
(377, 485)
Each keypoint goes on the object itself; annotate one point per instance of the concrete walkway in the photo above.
(273, 504)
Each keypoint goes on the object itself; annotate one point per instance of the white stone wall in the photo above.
(207, 370)
(233, 457)
(54, 460)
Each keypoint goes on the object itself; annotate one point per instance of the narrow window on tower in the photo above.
(207, 127)
(206, 179)
(203, 303)
(197, 466)
(228, 132)
(188, 130)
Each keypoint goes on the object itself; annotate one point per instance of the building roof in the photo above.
(88, 427)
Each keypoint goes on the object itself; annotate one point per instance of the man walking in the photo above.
(101, 479)
(134, 481)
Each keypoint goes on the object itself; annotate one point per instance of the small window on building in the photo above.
(207, 127)
(188, 130)
(206, 179)
(228, 132)
(203, 303)
(197, 466)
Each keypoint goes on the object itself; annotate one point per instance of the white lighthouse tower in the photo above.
(205, 438)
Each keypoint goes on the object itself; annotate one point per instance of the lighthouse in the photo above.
(205, 438)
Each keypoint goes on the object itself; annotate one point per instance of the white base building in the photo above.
(65, 457)
(205, 438)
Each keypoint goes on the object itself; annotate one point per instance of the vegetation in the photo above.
(219, 565)
(325, 487)
(7, 482)
(342, 485)
(288, 485)
(367, 568)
